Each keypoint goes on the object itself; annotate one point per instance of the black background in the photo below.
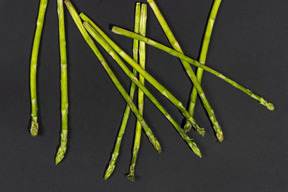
(249, 44)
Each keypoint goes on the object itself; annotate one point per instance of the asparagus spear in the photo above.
(114, 55)
(202, 59)
(111, 45)
(33, 67)
(188, 70)
(116, 150)
(64, 83)
(142, 56)
(193, 77)
(262, 101)
(112, 76)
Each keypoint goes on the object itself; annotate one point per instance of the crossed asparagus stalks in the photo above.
(88, 27)
(142, 58)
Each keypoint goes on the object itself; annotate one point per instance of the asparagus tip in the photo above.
(158, 147)
(187, 127)
(195, 149)
(131, 176)
(201, 131)
(34, 128)
(109, 170)
(270, 106)
(60, 155)
(220, 137)
(267, 104)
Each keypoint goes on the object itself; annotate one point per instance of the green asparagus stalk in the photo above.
(33, 67)
(112, 76)
(262, 101)
(112, 46)
(64, 83)
(99, 38)
(116, 150)
(202, 59)
(188, 70)
(142, 56)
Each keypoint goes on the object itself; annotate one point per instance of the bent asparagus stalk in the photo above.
(202, 59)
(111, 46)
(114, 55)
(64, 84)
(124, 32)
(142, 57)
(112, 76)
(116, 150)
(33, 67)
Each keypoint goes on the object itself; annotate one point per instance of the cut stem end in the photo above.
(34, 128)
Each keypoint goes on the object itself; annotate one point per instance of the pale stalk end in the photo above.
(34, 127)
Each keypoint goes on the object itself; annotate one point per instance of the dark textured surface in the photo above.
(249, 44)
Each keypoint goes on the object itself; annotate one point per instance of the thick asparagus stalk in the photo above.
(116, 150)
(202, 59)
(142, 57)
(33, 67)
(114, 55)
(112, 46)
(112, 76)
(64, 84)
(188, 70)
(262, 101)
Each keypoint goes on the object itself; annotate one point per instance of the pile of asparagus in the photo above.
(90, 31)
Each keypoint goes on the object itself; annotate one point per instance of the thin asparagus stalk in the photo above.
(188, 70)
(142, 56)
(202, 59)
(262, 101)
(33, 67)
(64, 84)
(112, 76)
(114, 55)
(116, 150)
(112, 46)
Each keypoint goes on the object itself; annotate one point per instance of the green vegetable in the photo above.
(111, 46)
(116, 82)
(153, 43)
(202, 59)
(174, 43)
(64, 83)
(142, 56)
(33, 67)
(116, 150)
(106, 45)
